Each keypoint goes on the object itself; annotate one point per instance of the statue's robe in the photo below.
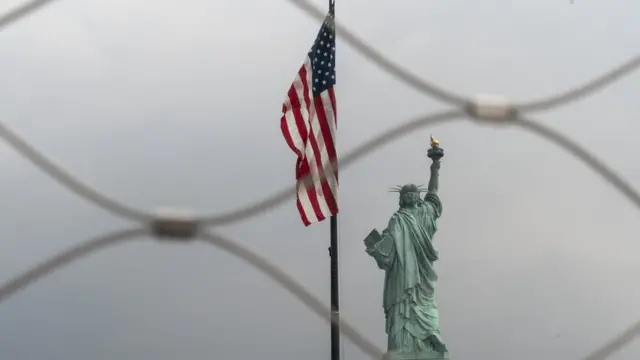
(406, 253)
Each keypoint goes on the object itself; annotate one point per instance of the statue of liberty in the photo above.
(406, 253)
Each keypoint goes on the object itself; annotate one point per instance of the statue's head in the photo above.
(409, 195)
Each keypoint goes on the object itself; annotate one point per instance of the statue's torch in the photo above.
(435, 152)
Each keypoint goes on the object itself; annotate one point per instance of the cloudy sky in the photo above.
(172, 102)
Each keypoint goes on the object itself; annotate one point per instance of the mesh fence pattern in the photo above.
(490, 109)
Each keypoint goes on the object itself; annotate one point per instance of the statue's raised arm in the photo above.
(435, 153)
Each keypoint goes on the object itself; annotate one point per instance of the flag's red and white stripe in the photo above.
(309, 127)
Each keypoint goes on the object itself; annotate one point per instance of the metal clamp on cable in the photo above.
(176, 224)
(491, 108)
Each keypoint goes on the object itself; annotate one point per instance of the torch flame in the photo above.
(434, 141)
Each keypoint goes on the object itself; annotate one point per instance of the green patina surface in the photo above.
(405, 251)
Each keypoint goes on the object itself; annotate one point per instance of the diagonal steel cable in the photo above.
(394, 69)
(22, 11)
(264, 266)
(583, 90)
(615, 180)
(64, 258)
(549, 102)
(382, 61)
(290, 284)
(573, 148)
(57, 173)
(358, 153)
(616, 344)
(68, 180)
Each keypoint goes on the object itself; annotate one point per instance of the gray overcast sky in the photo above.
(539, 256)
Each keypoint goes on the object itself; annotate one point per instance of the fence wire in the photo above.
(200, 232)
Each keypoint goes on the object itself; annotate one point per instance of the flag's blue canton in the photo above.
(323, 56)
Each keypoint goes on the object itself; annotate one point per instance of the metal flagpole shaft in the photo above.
(335, 299)
(333, 252)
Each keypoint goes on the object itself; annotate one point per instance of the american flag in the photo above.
(309, 125)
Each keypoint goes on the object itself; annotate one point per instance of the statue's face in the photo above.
(409, 195)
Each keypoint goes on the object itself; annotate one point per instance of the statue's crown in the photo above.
(408, 188)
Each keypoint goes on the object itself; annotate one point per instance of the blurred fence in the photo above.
(182, 227)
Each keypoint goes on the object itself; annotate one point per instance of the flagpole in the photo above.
(333, 253)
(335, 300)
